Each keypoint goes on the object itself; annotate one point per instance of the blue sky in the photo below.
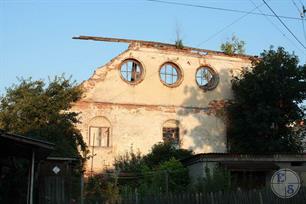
(35, 36)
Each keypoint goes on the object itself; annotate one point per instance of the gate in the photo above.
(56, 183)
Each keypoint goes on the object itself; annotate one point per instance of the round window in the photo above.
(170, 74)
(207, 78)
(131, 71)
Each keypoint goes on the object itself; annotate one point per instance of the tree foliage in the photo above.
(233, 46)
(266, 109)
(40, 110)
(150, 173)
(102, 189)
(177, 175)
(162, 152)
(216, 179)
(129, 162)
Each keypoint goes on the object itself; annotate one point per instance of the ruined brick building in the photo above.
(153, 92)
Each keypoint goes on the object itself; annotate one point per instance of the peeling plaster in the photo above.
(136, 112)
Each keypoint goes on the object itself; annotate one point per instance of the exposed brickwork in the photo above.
(137, 113)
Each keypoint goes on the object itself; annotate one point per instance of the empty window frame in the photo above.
(171, 132)
(99, 136)
(206, 78)
(171, 135)
(131, 71)
(170, 74)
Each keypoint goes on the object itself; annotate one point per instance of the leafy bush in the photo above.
(102, 188)
(162, 152)
(177, 174)
(129, 162)
(233, 46)
(215, 180)
(154, 172)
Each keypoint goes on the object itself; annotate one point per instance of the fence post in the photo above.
(260, 197)
(212, 198)
(82, 189)
(136, 196)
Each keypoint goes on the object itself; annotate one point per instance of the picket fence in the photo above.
(265, 196)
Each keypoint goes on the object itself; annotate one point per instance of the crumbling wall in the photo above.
(137, 112)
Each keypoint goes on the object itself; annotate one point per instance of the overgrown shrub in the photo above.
(129, 162)
(155, 173)
(216, 179)
(102, 188)
(164, 151)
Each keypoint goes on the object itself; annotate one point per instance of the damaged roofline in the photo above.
(159, 45)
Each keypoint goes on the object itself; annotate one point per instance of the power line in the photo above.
(304, 30)
(284, 25)
(229, 25)
(301, 3)
(277, 28)
(220, 9)
(296, 6)
(301, 13)
(302, 16)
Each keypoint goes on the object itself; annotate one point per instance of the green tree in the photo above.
(266, 105)
(148, 173)
(164, 151)
(177, 175)
(40, 110)
(129, 162)
(233, 46)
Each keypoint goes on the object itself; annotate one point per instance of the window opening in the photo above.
(171, 135)
(99, 137)
(131, 71)
(206, 78)
(170, 74)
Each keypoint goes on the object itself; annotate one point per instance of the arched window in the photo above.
(206, 78)
(171, 132)
(99, 132)
(131, 71)
(170, 74)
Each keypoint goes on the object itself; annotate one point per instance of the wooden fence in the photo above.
(239, 197)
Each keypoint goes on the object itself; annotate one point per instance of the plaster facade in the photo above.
(136, 112)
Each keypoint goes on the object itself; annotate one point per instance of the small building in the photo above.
(253, 170)
(19, 157)
(57, 181)
(28, 174)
